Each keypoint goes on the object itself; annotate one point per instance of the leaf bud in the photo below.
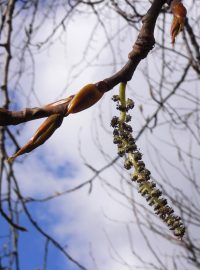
(85, 98)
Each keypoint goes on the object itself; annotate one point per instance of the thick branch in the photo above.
(144, 43)
(14, 118)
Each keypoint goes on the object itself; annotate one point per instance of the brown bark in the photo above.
(143, 45)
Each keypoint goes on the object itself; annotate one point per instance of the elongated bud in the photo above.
(85, 98)
(42, 134)
(179, 12)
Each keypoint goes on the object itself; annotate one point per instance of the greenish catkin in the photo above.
(127, 148)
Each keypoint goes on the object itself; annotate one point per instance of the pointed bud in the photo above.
(42, 134)
(179, 12)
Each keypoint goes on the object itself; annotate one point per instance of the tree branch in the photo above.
(144, 43)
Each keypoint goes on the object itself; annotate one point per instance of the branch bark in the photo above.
(143, 45)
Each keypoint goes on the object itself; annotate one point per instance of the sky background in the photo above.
(95, 226)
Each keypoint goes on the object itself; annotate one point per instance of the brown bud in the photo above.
(41, 135)
(85, 98)
(179, 12)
